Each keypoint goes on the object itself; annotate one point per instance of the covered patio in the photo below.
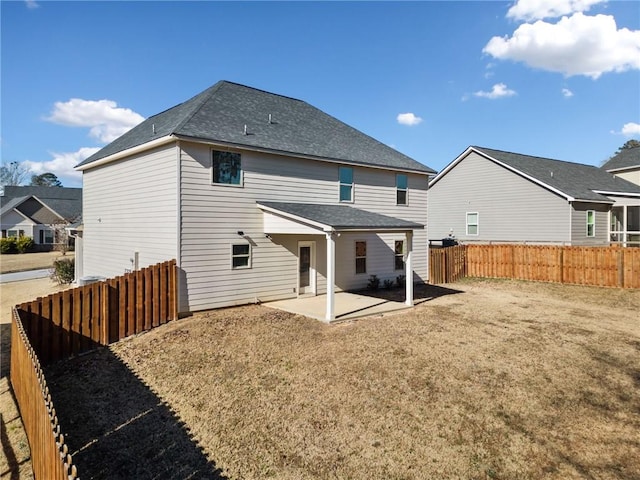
(331, 221)
(347, 306)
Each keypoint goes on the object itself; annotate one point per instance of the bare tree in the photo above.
(13, 173)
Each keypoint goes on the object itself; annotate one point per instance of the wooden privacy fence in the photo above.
(77, 320)
(447, 264)
(597, 266)
(71, 322)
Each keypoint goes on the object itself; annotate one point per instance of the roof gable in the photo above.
(63, 201)
(273, 123)
(625, 159)
(574, 181)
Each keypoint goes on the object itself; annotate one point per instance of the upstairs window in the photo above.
(591, 223)
(401, 189)
(361, 257)
(473, 223)
(227, 168)
(346, 184)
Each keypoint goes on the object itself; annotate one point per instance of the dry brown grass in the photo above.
(507, 380)
(28, 261)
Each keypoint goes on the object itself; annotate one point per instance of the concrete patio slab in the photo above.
(348, 306)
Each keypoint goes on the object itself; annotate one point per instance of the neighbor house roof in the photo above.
(236, 115)
(574, 181)
(64, 201)
(338, 217)
(623, 160)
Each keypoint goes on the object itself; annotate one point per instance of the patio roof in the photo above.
(330, 218)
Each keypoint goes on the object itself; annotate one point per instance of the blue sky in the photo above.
(553, 78)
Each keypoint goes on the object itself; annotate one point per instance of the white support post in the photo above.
(408, 279)
(331, 277)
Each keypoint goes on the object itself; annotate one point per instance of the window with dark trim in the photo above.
(241, 256)
(227, 168)
(346, 184)
(401, 189)
(399, 254)
(361, 257)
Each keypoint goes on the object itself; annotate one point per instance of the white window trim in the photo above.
(406, 190)
(232, 185)
(352, 185)
(396, 255)
(594, 223)
(249, 257)
(477, 224)
(355, 257)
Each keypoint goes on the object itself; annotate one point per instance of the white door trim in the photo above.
(312, 288)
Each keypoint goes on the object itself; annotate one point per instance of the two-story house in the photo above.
(259, 197)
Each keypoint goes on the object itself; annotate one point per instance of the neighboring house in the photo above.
(259, 197)
(488, 195)
(625, 164)
(35, 211)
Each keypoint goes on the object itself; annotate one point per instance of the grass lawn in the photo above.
(503, 379)
(18, 262)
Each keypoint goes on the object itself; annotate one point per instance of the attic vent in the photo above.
(551, 174)
(245, 128)
(153, 128)
(270, 119)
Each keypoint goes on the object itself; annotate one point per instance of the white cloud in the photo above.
(408, 119)
(631, 129)
(62, 164)
(576, 45)
(567, 93)
(105, 119)
(499, 90)
(31, 4)
(528, 10)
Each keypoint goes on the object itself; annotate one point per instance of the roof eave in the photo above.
(299, 155)
(127, 152)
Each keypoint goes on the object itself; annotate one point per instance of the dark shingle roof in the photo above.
(65, 201)
(575, 180)
(626, 158)
(220, 113)
(342, 217)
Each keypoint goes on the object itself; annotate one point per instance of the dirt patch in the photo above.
(505, 380)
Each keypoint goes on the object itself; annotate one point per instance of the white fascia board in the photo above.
(446, 169)
(617, 194)
(298, 155)
(125, 153)
(296, 218)
(529, 177)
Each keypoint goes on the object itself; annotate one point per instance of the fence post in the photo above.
(105, 314)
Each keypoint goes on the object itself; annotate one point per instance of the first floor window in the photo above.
(472, 223)
(399, 254)
(591, 223)
(361, 257)
(227, 168)
(15, 233)
(241, 256)
(346, 184)
(46, 236)
(401, 189)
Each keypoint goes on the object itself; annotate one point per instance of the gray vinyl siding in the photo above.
(511, 208)
(579, 224)
(130, 205)
(213, 214)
